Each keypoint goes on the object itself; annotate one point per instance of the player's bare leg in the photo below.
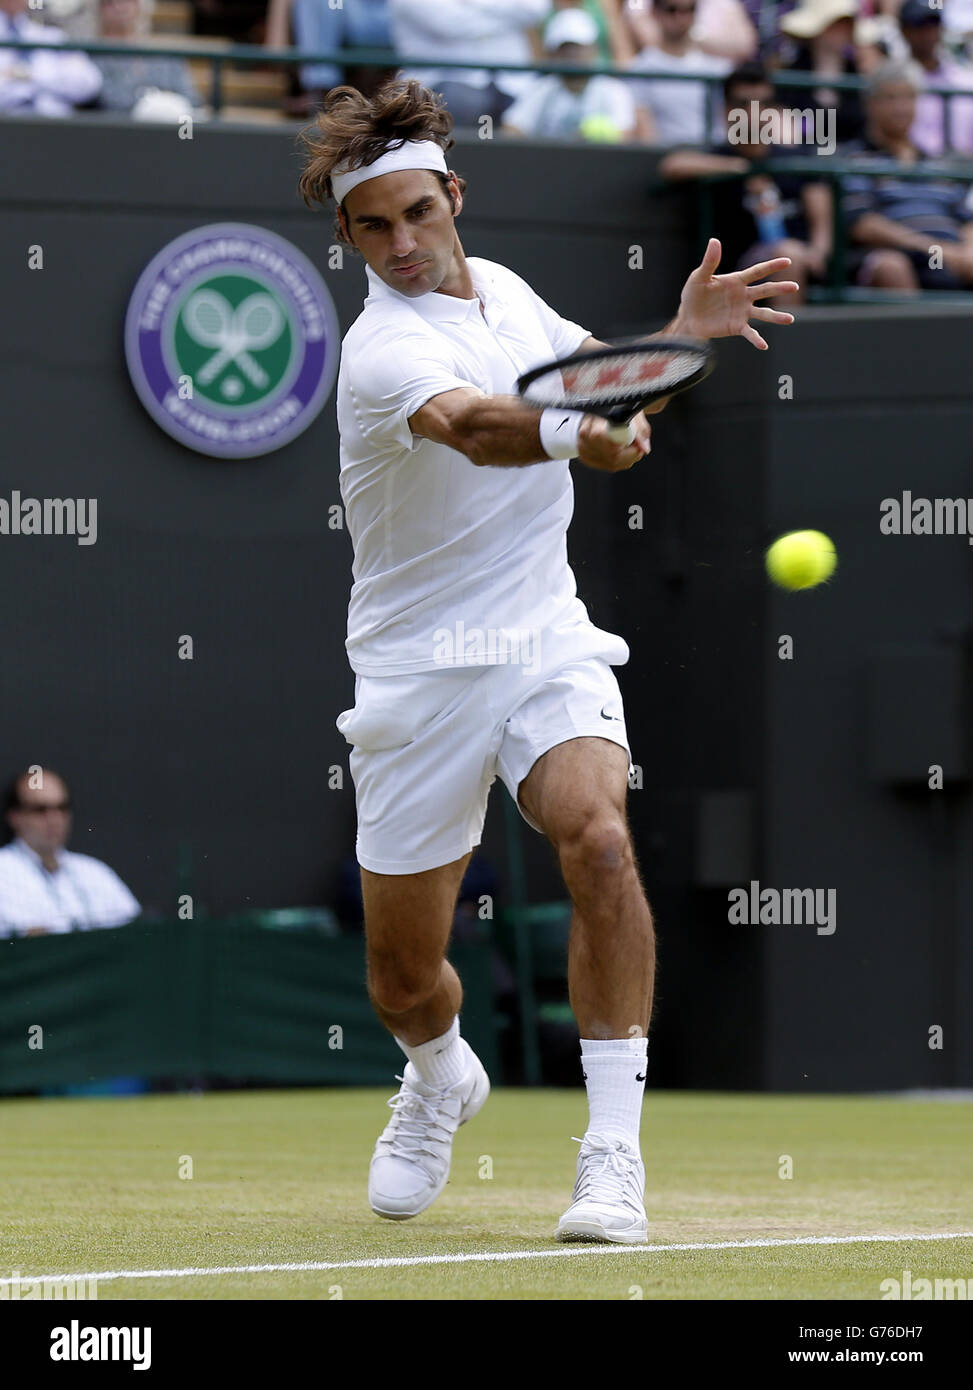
(408, 917)
(417, 994)
(576, 793)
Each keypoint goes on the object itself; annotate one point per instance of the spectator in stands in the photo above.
(240, 21)
(763, 215)
(573, 108)
(721, 28)
(615, 43)
(825, 30)
(958, 22)
(921, 24)
(678, 110)
(43, 887)
(916, 233)
(128, 82)
(78, 19)
(44, 81)
(321, 27)
(878, 38)
(494, 31)
(765, 16)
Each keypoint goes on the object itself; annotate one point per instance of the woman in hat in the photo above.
(825, 34)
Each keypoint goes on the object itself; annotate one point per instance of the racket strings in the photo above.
(630, 375)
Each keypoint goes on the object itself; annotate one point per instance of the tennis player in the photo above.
(473, 656)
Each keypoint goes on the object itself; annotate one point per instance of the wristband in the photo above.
(559, 433)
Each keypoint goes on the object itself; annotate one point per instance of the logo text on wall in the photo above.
(232, 340)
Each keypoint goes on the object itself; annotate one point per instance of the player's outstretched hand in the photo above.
(721, 306)
(598, 451)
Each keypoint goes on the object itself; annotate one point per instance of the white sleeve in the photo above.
(515, 13)
(15, 918)
(643, 93)
(564, 335)
(390, 381)
(525, 112)
(111, 901)
(71, 76)
(468, 19)
(622, 104)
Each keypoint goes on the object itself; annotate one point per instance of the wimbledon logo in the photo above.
(231, 339)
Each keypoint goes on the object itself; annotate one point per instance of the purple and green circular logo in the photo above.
(232, 340)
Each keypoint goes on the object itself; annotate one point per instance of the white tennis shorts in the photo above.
(426, 748)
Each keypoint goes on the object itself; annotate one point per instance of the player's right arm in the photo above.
(503, 432)
(404, 386)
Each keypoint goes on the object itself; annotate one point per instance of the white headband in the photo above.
(413, 154)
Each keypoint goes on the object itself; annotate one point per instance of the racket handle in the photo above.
(622, 434)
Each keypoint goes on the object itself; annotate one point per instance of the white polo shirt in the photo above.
(438, 540)
(81, 893)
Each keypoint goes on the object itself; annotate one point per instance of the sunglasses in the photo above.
(42, 810)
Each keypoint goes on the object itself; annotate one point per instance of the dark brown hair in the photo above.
(11, 797)
(352, 129)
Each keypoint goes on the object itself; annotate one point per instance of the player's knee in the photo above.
(597, 846)
(396, 988)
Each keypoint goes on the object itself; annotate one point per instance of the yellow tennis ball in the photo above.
(597, 127)
(801, 559)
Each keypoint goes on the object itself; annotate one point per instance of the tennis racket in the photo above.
(618, 381)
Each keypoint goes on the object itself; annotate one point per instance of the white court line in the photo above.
(498, 1257)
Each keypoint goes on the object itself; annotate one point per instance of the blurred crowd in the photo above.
(718, 86)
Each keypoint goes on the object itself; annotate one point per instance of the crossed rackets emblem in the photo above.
(233, 334)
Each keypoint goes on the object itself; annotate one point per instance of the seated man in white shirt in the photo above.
(43, 81)
(488, 31)
(677, 107)
(43, 887)
(573, 108)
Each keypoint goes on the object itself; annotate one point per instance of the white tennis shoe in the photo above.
(410, 1165)
(609, 1195)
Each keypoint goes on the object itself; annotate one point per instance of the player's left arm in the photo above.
(721, 306)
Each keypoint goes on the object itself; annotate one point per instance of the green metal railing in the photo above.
(831, 167)
(253, 55)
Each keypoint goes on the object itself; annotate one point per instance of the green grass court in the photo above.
(279, 1178)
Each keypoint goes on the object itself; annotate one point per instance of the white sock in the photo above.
(614, 1073)
(440, 1062)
